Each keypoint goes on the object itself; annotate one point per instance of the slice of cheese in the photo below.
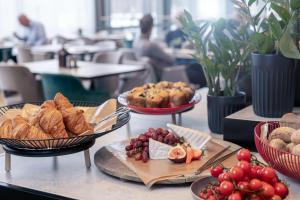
(196, 139)
(158, 150)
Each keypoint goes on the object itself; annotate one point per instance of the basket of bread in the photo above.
(279, 144)
(58, 123)
(160, 98)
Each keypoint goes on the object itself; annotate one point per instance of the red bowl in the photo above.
(284, 162)
(122, 99)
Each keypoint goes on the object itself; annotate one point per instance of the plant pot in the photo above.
(218, 107)
(297, 91)
(245, 85)
(273, 85)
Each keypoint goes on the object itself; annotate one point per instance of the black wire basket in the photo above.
(60, 143)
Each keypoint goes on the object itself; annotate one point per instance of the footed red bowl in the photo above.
(122, 99)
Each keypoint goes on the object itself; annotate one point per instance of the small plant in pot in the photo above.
(274, 53)
(221, 52)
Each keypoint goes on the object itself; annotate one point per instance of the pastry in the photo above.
(289, 147)
(177, 98)
(160, 95)
(75, 121)
(6, 129)
(62, 102)
(50, 120)
(137, 97)
(157, 98)
(73, 118)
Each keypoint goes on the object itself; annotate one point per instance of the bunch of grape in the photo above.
(248, 179)
(139, 147)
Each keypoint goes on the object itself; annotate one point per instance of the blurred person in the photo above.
(175, 38)
(34, 31)
(145, 47)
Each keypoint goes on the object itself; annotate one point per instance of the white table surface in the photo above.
(72, 49)
(85, 70)
(70, 177)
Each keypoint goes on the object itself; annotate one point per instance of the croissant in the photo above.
(73, 117)
(48, 104)
(51, 121)
(21, 131)
(62, 102)
(36, 133)
(75, 121)
(6, 129)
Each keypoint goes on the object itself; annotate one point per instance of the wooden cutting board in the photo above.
(111, 165)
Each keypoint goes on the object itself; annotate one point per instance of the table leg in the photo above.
(174, 118)
(179, 119)
(7, 162)
(87, 158)
(128, 130)
(55, 162)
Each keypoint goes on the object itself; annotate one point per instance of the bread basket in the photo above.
(284, 162)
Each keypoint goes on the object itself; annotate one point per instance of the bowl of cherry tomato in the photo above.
(247, 179)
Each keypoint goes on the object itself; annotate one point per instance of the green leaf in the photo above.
(262, 43)
(275, 26)
(256, 18)
(282, 12)
(295, 4)
(288, 47)
(250, 2)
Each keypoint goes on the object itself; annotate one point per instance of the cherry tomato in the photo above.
(226, 188)
(276, 197)
(243, 186)
(268, 173)
(255, 171)
(245, 166)
(255, 184)
(244, 154)
(246, 179)
(281, 190)
(274, 180)
(216, 171)
(236, 173)
(267, 190)
(224, 177)
(235, 196)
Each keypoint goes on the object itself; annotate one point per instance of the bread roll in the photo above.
(295, 137)
(278, 144)
(283, 133)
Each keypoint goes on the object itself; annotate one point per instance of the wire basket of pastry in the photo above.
(56, 124)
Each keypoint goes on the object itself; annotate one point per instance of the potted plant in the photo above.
(274, 54)
(218, 50)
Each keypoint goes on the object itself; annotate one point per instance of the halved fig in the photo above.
(177, 154)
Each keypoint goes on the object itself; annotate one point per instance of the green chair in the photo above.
(71, 87)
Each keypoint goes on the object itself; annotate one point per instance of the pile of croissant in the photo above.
(56, 118)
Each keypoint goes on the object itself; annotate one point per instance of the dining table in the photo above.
(79, 49)
(84, 70)
(67, 178)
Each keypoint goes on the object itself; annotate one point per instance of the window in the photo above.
(58, 16)
(200, 9)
